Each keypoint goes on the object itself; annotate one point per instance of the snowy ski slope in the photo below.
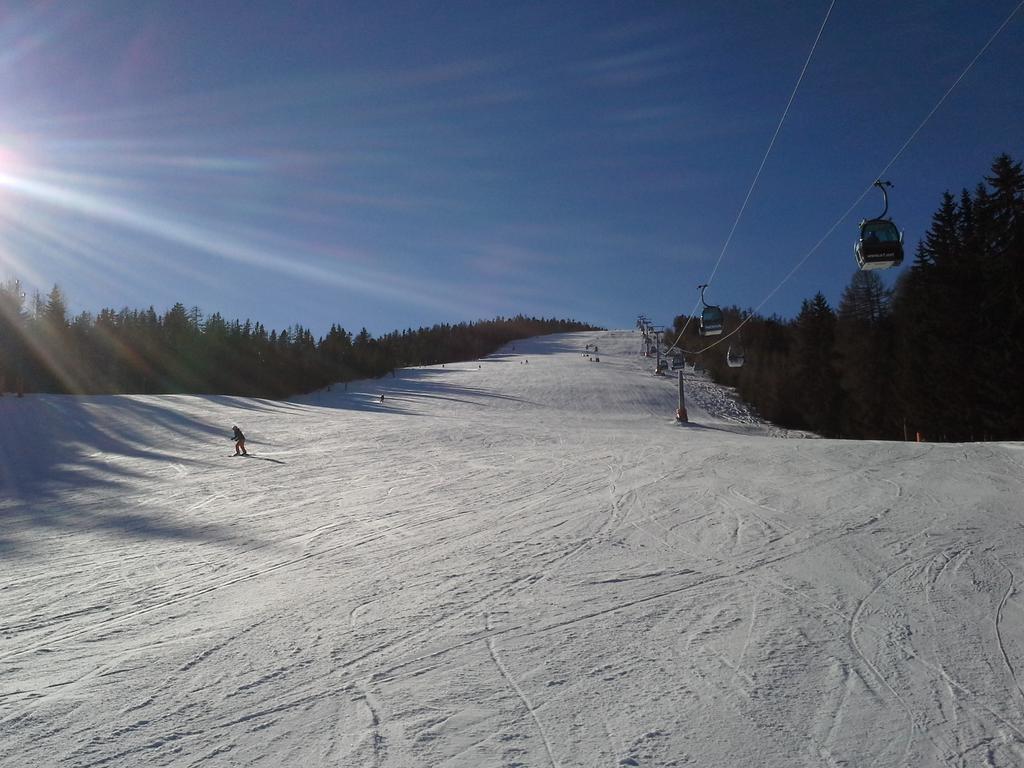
(516, 564)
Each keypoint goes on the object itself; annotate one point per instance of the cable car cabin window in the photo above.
(884, 231)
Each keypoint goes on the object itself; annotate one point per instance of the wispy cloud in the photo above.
(658, 113)
(495, 259)
(643, 28)
(443, 73)
(23, 34)
(632, 67)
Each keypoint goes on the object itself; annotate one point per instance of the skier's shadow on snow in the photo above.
(264, 458)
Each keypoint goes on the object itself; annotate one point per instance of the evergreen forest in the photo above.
(184, 351)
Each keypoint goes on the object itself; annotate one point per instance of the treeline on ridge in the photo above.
(940, 355)
(183, 351)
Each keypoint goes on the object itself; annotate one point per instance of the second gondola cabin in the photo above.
(734, 357)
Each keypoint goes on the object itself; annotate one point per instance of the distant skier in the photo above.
(239, 439)
(382, 397)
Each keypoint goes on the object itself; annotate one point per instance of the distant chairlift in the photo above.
(880, 244)
(711, 319)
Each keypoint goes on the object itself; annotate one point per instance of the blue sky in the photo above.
(400, 164)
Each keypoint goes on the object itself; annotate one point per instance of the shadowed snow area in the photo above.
(518, 561)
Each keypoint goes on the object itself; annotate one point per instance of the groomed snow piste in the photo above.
(505, 563)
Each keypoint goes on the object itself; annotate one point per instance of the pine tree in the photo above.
(863, 356)
(1001, 366)
(13, 321)
(816, 390)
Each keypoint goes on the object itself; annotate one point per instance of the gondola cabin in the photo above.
(734, 357)
(879, 246)
(711, 321)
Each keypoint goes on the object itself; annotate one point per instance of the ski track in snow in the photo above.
(519, 692)
(996, 621)
(719, 593)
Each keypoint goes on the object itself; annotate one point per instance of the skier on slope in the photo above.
(239, 439)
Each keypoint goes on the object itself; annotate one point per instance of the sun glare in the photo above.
(8, 159)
